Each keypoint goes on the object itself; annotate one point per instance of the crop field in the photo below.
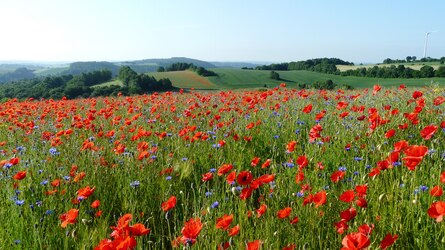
(185, 79)
(274, 169)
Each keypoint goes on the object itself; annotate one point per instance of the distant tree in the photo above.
(408, 59)
(274, 75)
(440, 72)
(127, 75)
(414, 58)
(442, 60)
(161, 69)
(426, 71)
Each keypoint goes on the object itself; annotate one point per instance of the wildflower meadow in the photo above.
(277, 168)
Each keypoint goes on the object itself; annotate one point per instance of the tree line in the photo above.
(322, 65)
(187, 66)
(393, 71)
(328, 66)
(413, 59)
(57, 87)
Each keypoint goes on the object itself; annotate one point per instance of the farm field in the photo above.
(248, 169)
(240, 79)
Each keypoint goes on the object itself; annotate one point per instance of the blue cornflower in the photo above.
(208, 193)
(215, 204)
(66, 178)
(53, 151)
(19, 202)
(135, 184)
(184, 159)
(44, 182)
(168, 178)
(212, 170)
(358, 158)
(342, 168)
(423, 188)
(49, 212)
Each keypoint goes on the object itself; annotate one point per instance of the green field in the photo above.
(240, 79)
(237, 78)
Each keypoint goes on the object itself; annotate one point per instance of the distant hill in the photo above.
(237, 65)
(153, 64)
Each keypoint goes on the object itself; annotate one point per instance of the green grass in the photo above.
(185, 79)
(237, 78)
(113, 82)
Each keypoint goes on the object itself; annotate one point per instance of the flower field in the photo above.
(256, 169)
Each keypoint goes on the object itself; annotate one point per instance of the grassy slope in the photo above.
(237, 78)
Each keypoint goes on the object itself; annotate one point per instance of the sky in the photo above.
(220, 30)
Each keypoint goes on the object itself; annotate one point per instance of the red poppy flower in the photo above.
(289, 247)
(231, 177)
(253, 245)
(341, 226)
(417, 94)
(302, 161)
(284, 213)
(266, 163)
(255, 161)
(290, 147)
(192, 228)
(85, 192)
(442, 177)
(260, 211)
(348, 214)
(20, 175)
(428, 132)
(337, 176)
(366, 229)
(224, 222)
(294, 220)
(234, 231)
(169, 204)
(244, 178)
(139, 229)
(361, 202)
(307, 109)
(361, 190)
(436, 191)
(246, 193)
(437, 210)
(69, 217)
(414, 155)
(438, 100)
(95, 204)
(390, 133)
(347, 196)
(224, 169)
(388, 241)
(207, 177)
(299, 177)
(355, 241)
(319, 198)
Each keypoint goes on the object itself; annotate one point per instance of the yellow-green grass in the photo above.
(113, 82)
(237, 78)
(185, 79)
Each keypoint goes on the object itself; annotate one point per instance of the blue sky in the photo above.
(229, 30)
